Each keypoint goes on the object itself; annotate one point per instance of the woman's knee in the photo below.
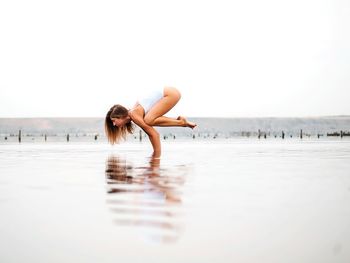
(173, 92)
(178, 95)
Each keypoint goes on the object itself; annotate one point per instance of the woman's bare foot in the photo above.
(186, 123)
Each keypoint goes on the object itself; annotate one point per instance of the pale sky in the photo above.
(228, 58)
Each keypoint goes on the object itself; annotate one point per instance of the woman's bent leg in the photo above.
(155, 115)
(165, 104)
(167, 122)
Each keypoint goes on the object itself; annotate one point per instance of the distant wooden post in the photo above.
(67, 137)
(282, 134)
(19, 136)
(301, 134)
(140, 136)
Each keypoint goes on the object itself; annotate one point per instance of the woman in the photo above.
(147, 112)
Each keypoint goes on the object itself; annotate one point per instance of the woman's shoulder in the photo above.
(137, 110)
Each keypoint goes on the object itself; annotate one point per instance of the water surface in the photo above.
(203, 201)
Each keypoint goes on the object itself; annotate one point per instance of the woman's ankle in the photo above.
(183, 121)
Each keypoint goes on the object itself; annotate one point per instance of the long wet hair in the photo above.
(114, 133)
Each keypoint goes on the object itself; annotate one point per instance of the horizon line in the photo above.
(196, 117)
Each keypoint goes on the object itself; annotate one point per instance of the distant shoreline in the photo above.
(205, 117)
(207, 126)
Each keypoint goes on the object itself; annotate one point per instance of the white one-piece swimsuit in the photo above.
(150, 97)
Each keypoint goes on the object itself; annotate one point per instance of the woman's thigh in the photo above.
(165, 104)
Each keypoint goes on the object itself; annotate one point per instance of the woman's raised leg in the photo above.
(155, 115)
(167, 122)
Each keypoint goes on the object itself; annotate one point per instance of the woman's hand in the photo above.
(155, 141)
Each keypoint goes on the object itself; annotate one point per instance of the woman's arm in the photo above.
(137, 117)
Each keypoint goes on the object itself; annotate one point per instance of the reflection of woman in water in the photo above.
(147, 112)
(117, 170)
(146, 197)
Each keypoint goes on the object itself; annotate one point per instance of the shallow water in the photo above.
(203, 201)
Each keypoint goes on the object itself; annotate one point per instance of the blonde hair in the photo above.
(114, 133)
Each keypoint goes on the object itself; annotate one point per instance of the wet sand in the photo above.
(227, 201)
